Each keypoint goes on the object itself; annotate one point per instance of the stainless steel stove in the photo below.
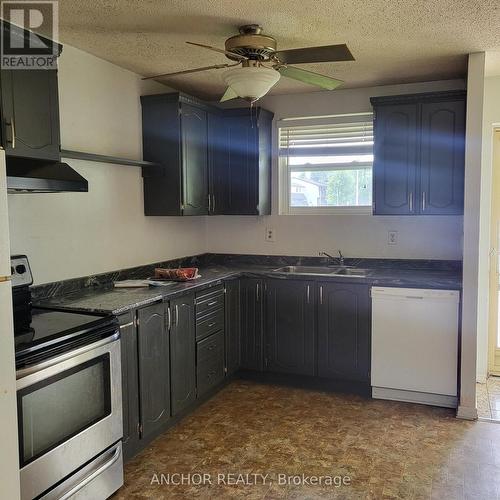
(68, 398)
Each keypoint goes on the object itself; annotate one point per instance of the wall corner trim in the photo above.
(467, 412)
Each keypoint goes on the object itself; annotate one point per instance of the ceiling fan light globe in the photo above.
(251, 83)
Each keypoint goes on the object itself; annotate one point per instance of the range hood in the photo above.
(42, 176)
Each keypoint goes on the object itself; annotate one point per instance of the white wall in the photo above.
(357, 235)
(75, 234)
(491, 119)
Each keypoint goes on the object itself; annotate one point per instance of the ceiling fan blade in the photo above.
(326, 53)
(222, 51)
(187, 71)
(325, 82)
(228, 95)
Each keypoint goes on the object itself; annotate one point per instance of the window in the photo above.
(326, 164)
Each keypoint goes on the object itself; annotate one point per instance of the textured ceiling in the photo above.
(393, 41)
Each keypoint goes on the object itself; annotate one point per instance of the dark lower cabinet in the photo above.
(290, 326)
(130, 384)
(344, 331)
(251, 303)
(232, 326)
(154, 369)
(182, 353)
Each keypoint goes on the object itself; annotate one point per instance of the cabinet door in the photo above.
(30, 111)
(395, 159)
(344, 329)
(154, 375)
(290, 326)
(194, 160)
(242, 176)
(182, 349)
(130, 384)
(218, 164)
(232, 326)
(251, 324)
(442, 158)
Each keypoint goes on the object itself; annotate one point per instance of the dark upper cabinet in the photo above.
(442, 157)
(175, 129)
(232, 325)
(194, 159)
(30, 114)
(290, 326)
(130, 384)
(394, 179)
(214, 161)
(182, 353)
(154, 368)
(251, 336)
(244, 169)
(218, 164)
(344, 331)
(419, 152)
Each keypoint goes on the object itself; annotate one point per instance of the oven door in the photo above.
(69, 411)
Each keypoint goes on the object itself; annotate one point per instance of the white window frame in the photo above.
(284, 168)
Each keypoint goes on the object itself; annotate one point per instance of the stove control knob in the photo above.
(20, 269)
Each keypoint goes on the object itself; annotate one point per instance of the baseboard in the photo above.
(467, 412)
(424, 398)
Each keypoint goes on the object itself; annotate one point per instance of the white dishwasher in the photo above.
(415, 345)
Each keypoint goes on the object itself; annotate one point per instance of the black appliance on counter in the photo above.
(69, 400)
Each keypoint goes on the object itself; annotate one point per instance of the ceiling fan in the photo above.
(261, 65)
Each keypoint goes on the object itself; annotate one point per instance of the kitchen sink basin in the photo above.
(317, 270)
(350, 271)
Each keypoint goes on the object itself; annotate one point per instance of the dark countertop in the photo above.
(106, 299)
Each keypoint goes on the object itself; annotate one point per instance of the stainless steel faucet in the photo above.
(341, 257)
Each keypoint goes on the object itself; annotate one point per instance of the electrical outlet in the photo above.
(392, 237)
(269, 234)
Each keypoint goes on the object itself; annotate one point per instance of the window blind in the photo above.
(347, 135)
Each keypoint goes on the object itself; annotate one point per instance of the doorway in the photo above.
(494, 318)
(488, 395)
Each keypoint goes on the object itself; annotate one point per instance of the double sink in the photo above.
(347, 271)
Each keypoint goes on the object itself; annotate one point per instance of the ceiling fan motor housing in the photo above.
(251, 43)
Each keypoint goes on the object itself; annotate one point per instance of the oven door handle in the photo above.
(93, 475)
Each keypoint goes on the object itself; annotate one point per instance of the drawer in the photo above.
(208, 302)
(209, 374)
(211, 347)
(209, 324)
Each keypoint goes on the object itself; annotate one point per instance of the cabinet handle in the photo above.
(12, 132)
(423, 201)
(176, 314)
(321, 294)
(169, 319)
(211, 324)
(209, 204)
(257, 292)
(410, 202)
(212, 303)
(213, 203)
(126, 325)
(308, 292)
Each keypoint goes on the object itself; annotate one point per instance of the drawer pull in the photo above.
(212, 324)
(213, 303)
